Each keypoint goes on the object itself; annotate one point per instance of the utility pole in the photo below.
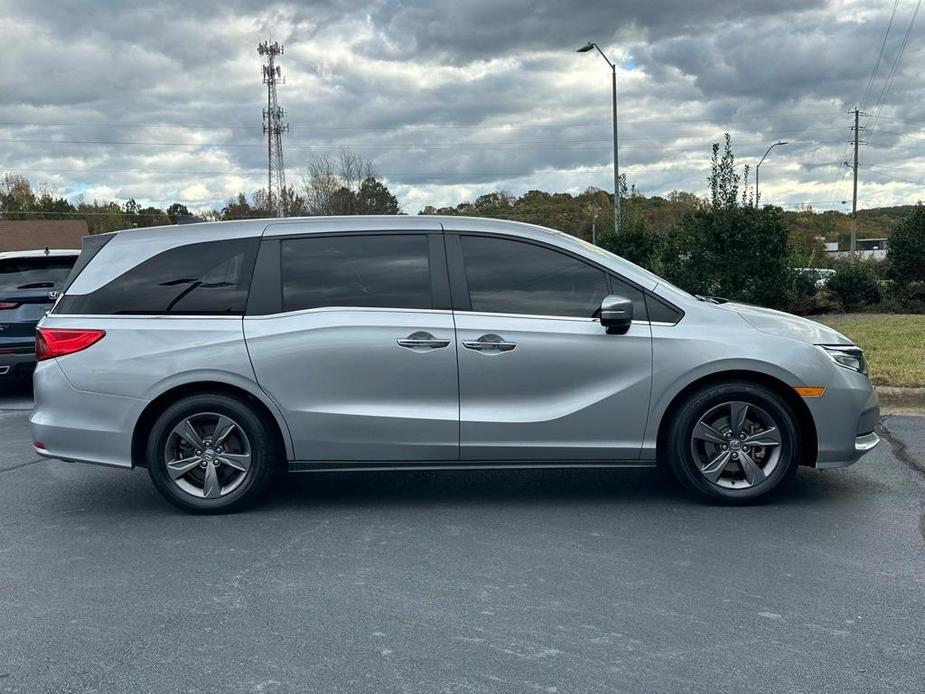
(274, 127)
(854, 198)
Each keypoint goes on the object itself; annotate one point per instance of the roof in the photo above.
(28, 235)
(41, 253)
(129, 247)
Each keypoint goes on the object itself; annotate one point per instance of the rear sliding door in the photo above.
(359, 349)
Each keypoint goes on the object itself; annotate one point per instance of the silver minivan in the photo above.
(219, 354)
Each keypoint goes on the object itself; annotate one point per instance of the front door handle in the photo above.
(490, 344)
(421, 341)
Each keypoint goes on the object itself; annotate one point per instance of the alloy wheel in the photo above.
(207, 455)
(736, 445)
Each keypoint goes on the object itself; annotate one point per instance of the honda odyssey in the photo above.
(218, 354)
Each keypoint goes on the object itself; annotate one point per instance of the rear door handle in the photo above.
(421, 341)
(490, 344)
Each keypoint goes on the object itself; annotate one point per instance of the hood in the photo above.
(787, 325)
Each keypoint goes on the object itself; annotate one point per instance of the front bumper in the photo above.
(866, 442)
(846, 416)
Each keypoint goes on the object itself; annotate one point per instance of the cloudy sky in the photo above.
(161, 100)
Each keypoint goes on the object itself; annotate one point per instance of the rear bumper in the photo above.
(846, 416)
(75, 425)
(17, 359)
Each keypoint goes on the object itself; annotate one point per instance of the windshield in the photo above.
(34, 273)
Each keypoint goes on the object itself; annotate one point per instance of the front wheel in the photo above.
(210, 454)
(734, 442)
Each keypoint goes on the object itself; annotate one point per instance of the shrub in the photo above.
(906, 258)
(803, 292)
(854, 284)
(635, 242)
(735, 252)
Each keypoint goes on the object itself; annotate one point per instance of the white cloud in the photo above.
(452, 99)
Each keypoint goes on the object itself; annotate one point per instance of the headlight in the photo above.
(848, 356)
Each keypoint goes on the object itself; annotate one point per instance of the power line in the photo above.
(243, 172)
(389, 145)
(479, 126)
(891, 76)
(873, 73)
(878, 172)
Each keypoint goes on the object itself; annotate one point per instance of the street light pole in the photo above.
(779, 142)
(616, 161)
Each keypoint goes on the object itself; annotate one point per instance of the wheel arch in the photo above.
(804, 418)
(156, 406)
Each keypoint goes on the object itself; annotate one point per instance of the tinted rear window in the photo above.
(209, 278)
(378, 271)
(34, 273)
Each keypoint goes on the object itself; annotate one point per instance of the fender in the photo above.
(667, 394)
(191, 378)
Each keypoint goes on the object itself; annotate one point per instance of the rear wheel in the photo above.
(734, 442)
(210, 454)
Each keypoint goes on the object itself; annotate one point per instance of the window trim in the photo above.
(459, 282)
(267, 282)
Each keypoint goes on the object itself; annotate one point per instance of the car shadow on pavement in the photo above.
(131, 493)
(537, 487)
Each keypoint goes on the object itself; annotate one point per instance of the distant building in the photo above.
(869, 249)
(27, 235)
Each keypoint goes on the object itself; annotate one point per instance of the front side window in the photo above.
(209, 278)
(370, 271)
(506, 276)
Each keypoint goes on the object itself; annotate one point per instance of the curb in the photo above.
(901, 400)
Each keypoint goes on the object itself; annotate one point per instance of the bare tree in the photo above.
(332, 185)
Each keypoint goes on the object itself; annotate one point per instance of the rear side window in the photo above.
(209, 278)
(376, 271)
(506, 276)
(34, 273)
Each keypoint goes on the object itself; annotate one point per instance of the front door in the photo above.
(539, 377)
(361, 356)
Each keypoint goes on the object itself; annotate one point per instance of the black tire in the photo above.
(680, 444)
(261, 446)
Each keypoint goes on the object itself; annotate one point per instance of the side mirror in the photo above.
(616, 313)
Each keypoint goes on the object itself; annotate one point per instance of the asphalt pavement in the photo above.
(549, 581)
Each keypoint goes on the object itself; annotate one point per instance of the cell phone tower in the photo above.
(274, 127)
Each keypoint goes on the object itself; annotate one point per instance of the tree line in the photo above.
(722, 245)
(345, 184)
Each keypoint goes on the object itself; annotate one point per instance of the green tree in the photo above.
(241, 208)
(729, 248)
(374, 197)
(16, 196)
(177, 210)
(906, 251)
(906, 259)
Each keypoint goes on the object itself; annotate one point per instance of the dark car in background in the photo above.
(29, 285)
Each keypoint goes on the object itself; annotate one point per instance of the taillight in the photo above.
(8, 304)
(56, 342)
